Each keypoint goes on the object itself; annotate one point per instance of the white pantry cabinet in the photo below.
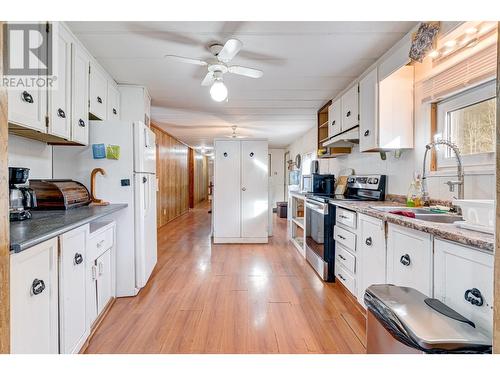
(241, 191)
(350, 108)
(409, 258)
(334, 118)
(97, 92)
(34, 294)
(73, 323)
(80, 98)
(463, 280)
(371, 254)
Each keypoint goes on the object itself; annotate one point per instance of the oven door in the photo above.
(316, 214)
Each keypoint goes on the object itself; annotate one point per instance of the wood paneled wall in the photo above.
(4, 219)
(200, 178)
(173, 177)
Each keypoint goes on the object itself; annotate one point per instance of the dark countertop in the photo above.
(45, 225)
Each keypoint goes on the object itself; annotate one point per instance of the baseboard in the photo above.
(218, 240)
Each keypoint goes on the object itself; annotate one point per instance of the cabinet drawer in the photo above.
(346, 217)
(345, 238)
(100, 242)
(345, 278)
(345, 258)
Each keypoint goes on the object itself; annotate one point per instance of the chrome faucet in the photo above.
(451, 184)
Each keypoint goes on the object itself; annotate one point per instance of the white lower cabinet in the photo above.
(409, 258)
(372, 254)
(463, 280)
(33, 291)
(103, 281)
(73, 322)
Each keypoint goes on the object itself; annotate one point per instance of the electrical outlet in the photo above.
(164, 211)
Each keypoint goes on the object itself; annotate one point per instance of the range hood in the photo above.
(346, 139)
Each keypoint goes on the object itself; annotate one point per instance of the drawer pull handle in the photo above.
(369, 241)
(61, 113)
(342, 277)
(27, 97)
(99, 244)
(341, 237)
(37, 287)
(405, 260)
(341, 257)
(114, 111)
(99, 100)
(100, 268)
(94, 273)
(78, 258)
(343, 217)
(474, 297)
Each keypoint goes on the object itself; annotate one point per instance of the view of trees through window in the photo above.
(473, 128)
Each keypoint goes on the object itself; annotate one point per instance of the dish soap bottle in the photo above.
(414, 197)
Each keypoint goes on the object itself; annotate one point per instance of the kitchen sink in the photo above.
(439, 218)
(415, 210)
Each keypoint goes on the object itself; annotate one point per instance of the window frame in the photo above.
(444, 159)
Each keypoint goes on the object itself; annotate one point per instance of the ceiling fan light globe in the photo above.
(218, 91)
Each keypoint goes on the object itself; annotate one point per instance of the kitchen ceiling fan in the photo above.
(220, 65)
(234, 135)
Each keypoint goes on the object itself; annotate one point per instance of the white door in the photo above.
(146, 242)
(368, 111)
(80, 100)
(254, 189)
(72, 290)
(113, 102)
(98, 92)
(350, 108)
(144, 149)
(409, 259)
(334, 119)
(227, 189)
(33, 298)
(372, 254)
(104, 279)
(60, 97)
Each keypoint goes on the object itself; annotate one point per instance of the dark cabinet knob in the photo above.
(405, 260)
(27, 97)
(81, 123)
(99, 100)
(114, 111)
(61, 113)
(474, 297)
(144, 180)
(78, 258)
(369, 241)
(367, 132)
(252, 154)
(37, 287)
(333, 123)
(225, 154)
(348, 114)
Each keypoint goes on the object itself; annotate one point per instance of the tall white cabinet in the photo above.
(241, 178)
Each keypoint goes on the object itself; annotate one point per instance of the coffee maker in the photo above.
(22, 198)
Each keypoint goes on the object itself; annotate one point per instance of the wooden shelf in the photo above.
(324, 125)
(299, 221)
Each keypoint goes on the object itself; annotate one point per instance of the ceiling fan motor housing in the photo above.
(215, 49)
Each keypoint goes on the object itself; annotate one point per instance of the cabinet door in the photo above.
(60, 97)
(409, 259)
(334, 119)
(350, 108)
(113, 102)
(80, 102)
(372, 254)
(72, 290)
(98, 92)
(33, 293)
(458, 270)
(104, 280)
(227, 189)
(254, 189)
(368, 111)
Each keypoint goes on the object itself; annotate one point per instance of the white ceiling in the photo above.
(305, 64)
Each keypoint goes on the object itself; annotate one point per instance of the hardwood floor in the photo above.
(205, 298)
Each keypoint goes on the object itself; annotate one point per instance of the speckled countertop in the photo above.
(449, 232)
(45, 225)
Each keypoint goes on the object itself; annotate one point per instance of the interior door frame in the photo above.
(4, 218)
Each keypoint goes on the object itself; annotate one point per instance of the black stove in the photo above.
(359, 188)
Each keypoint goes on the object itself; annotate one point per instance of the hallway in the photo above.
(205, 298)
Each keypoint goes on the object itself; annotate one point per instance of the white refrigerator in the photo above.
(130, 179)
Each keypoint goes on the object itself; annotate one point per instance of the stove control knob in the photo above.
(369, 181)
(375, 180)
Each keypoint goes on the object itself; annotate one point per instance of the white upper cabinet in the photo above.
(135, 103)
(334, 119)
(396, 58)
(98, 92)
(368, 111)
(350, 109)
(80, 99)
(113, 102)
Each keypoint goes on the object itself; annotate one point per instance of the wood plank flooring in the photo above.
(205, 298)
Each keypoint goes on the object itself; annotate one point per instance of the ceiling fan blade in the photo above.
(186, 60)
(230, 49)
(209, 79)
(247, 72)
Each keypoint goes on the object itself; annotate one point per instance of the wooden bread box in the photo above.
(59, 194)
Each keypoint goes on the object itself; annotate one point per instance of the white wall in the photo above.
(35, 155)
(277, 176)
(305, 143)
